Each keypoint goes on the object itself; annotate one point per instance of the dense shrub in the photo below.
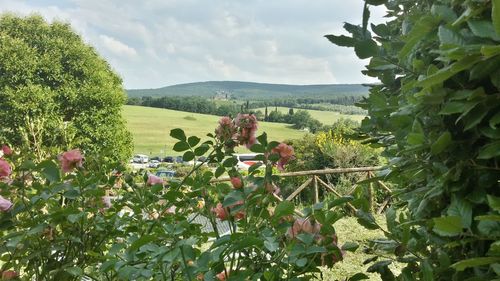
(436, 113)
(333, 148)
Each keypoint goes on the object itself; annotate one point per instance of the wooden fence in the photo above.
(313, 180)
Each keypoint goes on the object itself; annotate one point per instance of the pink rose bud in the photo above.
(9, 275)
(152, 180)
(5, 169)
(70, 160)
(220, 212)
(5, 204)
(286, 154)
(236, 182)
(6, 150)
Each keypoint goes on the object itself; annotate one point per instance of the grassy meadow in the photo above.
(325, 117)
(151, 127)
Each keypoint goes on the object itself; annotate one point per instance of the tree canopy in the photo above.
(56, 91)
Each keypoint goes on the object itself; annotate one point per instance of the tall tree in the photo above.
(56, 92)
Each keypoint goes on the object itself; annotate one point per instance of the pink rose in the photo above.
(226, 131)
(5, 169)
(9, 275)
(106, 201)
(236, 182)
(286, 154)
(171, 210)
(5, 204)
(247, 124)
(70, 160)
(222, 276)
(301, 225)
(220, 212)
(6, 150)
(152, 180)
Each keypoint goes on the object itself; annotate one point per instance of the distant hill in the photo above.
(251, 90)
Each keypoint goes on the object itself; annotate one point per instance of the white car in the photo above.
(246, 160)
(154, 164)
(140, 158)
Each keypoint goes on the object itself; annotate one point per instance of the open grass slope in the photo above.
(349, 230)
(251, 90)
(325, 117)
(151, 127)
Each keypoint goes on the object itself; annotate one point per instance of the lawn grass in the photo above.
(150, 128)
(349, 230)
(325, 117)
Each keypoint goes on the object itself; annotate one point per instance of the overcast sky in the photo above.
(155, 43)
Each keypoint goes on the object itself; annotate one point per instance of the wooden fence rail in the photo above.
(314, 179)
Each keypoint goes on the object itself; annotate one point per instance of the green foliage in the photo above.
(436, 114)
(55, 91)
(109, 224)
(331, 149)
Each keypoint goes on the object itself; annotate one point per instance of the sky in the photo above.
(156, 43)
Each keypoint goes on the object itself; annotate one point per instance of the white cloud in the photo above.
(117, 47)
(164, 42)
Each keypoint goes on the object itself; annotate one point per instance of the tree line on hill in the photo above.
(344, 105)
(300, 119)
(295, 102)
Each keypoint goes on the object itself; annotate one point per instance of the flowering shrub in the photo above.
(58, 221)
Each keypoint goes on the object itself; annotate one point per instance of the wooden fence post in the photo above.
(316, 191)
(370, 193)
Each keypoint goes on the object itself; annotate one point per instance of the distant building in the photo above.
(222, 95)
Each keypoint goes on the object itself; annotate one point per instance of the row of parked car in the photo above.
(154, 162)
(244, 160)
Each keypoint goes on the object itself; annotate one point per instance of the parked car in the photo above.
(178, 159)
(154, 164)
(168, 159)
(246, 160)
(140, 158)
(165, 174)
(155, 158)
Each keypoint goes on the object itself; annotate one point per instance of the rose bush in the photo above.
(59, 221)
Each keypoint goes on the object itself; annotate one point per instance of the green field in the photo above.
(325, 117)
(151, 127)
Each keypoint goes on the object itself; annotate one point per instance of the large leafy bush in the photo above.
(56, 91)
(436, 112)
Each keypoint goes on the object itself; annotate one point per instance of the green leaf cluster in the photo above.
(436, 113)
